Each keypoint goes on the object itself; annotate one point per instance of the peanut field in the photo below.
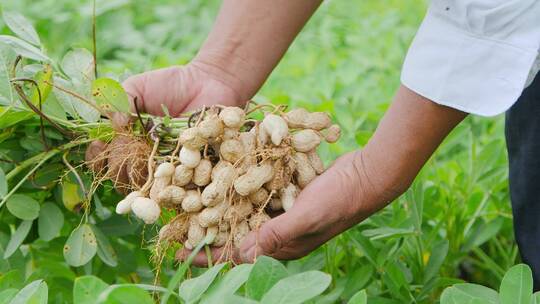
(64, 239)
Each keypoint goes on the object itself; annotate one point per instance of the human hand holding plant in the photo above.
(178, 89)
(356, 185)
(326, 207)
(230, 67)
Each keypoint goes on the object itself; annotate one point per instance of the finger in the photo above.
(304, 245)
(218, 254)
(120, 120)
(134, 87)
(303, 219)
(300, 246)
(270, 238)
(199, 260)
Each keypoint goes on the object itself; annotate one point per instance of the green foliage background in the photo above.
(454, 224)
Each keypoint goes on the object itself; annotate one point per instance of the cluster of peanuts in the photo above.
(231, 172)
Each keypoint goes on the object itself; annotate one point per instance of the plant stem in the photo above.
(39, 160)
(94, 34)
(208, 255)
(77, 176)
(65, 123)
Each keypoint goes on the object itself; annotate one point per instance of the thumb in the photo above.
(265, 241)
(135, 87)
(319, 211)
(162, 86)
(274, 235)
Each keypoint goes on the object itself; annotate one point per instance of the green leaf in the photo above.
(10, 117)
(47, 175)
(21, 27)
(228, 285)
(481, 233)
(333, 295)
(125, 294)
(3, 184)
(297, 288)
(265, 273)
(43, 78)
(50, 221)
(105, 250)
(17, 238)
(7, 295)
(71, 194)
(81, 246)
(6, 91)
(117, 225)
(394, 278)
(149, 287)
(55, 269)
(34, 293)
(387, 232)
(359, 298)
(181, 271)
(87, 289)
(23, 48)
(469, 294)
(23, 207)
(79, 64)
(536, 298)
(67, 101)
(436, 259)
(363, 244)
(72, 105)
(109, 95)
(358, 280)
(517, 285)
(235, 299)
(191, 290)
(12, 279)
(101, 212)
(49, 106)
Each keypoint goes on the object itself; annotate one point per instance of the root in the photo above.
(151, 163)
(122, 161)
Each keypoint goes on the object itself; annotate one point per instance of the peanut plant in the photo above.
(62, 241)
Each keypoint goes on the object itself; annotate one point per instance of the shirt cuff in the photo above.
(458, 69)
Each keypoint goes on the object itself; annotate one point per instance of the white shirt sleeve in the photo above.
(476, 56)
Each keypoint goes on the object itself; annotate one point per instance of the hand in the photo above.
(326, 207)
(358, 184)
(179, 89)
(182, 88)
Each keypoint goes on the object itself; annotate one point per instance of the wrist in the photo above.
(377, 185)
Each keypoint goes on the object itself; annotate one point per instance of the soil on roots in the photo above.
(125, 159)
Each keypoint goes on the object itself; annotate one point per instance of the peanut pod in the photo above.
(146, 209)
(192, 201)
(305, 140)
(304, 172)
(253, 179)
